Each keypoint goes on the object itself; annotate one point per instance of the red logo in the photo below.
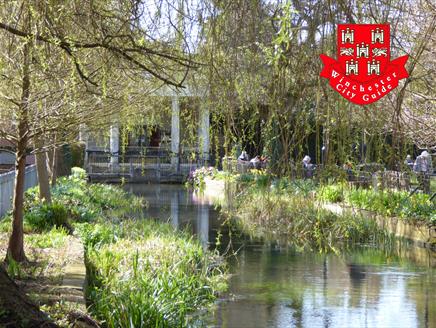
(363, 72)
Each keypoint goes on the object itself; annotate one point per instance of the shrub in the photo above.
(78, 173)
(46, 216)
(81, 202)
(196, 178)
(96, 234)
(393, 203)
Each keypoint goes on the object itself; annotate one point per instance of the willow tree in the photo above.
(94, 46)
(267, 72)
(263, 77)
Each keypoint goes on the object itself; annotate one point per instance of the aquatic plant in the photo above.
(298, 221)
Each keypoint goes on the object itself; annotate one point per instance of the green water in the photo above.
(367, 286)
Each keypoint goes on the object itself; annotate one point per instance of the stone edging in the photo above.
(74, 277)
(420, 234)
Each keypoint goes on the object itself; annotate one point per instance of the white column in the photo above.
(175, 210)
(203, 138)
(84, 137)
(114, 143)
(175, 130)
(203, 224)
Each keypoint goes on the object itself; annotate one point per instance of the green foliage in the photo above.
(196, 178)
(45, 216)
(259, 179)
(295, 219)
(75, 200)
(55, 238)
(6, 224)
(94, 235)
(142, 273)
(78, 173)
(146, 274)
(14, 269)
(385, 202)
(393, 203)
(331, 193)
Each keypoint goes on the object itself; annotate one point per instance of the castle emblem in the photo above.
(373, 67)
(362, 50)
(377, 36)
(352, 67)
(363, 72)
(348, 36)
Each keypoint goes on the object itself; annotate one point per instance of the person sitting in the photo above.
(307, 167)
(255, 162)
(423, 168)
(263, 162)
(348, 167)
(408, 162)
(244, 157)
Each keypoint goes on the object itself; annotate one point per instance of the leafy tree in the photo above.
(64, 63)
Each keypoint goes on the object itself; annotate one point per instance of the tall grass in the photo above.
(146, 274)
(296, 220)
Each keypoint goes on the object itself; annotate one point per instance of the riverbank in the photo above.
(272, 286)
(139, 272)
(311, 216)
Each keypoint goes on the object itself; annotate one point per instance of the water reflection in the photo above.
(365, 287)
(285, 289)
(180, 207)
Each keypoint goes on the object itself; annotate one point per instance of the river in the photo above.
(367, 286)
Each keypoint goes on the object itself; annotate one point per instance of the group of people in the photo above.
(421, 165)
(257, 162)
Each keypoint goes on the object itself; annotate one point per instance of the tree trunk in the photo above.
(16, 245)
(41, 167)
(16, 242)
(54, 168)
(17, 309)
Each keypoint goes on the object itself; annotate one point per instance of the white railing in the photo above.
(7, 187)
